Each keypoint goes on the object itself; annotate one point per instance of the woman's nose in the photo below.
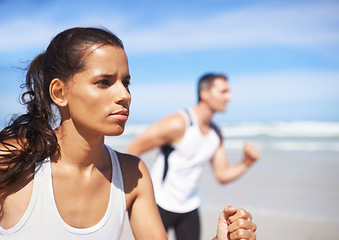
(123, 94)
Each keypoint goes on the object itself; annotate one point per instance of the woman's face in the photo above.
(99, 97)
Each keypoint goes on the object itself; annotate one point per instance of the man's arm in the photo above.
(226, 173)
(169, 130)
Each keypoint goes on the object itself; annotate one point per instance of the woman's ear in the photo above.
(57, 91)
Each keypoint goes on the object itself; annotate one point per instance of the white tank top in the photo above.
(177, 168)
(42, 220)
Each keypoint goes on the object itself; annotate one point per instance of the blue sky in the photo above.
(282, 57)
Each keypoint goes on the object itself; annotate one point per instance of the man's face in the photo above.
(218, 95)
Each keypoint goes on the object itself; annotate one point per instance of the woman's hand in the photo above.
(235, 224)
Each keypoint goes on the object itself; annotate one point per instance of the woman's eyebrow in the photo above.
(107, 75)
(127, 77)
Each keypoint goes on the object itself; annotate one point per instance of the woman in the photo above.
(64, 182)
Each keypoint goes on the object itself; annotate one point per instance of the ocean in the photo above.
(281, 136)
(291, 191)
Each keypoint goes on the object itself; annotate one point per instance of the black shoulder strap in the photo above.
(189, 116)
(166, 150)
(217, 130)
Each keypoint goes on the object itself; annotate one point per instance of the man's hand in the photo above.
(251, 154)
(235, 224)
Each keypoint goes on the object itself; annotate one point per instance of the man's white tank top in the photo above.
(177, 168)
(42, 220)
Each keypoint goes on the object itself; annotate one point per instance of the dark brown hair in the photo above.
(206, 81)
(33, 131)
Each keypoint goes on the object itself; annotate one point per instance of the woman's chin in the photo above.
(117, 131)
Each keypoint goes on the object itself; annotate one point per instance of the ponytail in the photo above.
(32, 131)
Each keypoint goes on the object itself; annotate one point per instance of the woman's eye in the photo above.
(127, 83)
(104, 82)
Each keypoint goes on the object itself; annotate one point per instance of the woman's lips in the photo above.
(120, 115)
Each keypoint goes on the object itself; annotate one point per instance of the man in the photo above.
(188, 140)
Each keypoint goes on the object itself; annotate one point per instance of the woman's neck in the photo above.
(78, 150)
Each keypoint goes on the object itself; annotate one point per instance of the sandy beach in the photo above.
(269, 228)
(291, 195)
(292, 191)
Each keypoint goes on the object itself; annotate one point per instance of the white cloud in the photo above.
(286, 87)
(165, 94)
(256, 88)
(36, 32)
(298, 25)
(302, 25)
(289, 90)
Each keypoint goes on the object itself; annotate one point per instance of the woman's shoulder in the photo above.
(131, 166)
(133, 170)
(135, 175)
(15, 199)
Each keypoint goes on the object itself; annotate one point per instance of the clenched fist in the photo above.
(251, 154)
(235, 224)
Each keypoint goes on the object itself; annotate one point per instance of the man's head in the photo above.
(213, 90)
